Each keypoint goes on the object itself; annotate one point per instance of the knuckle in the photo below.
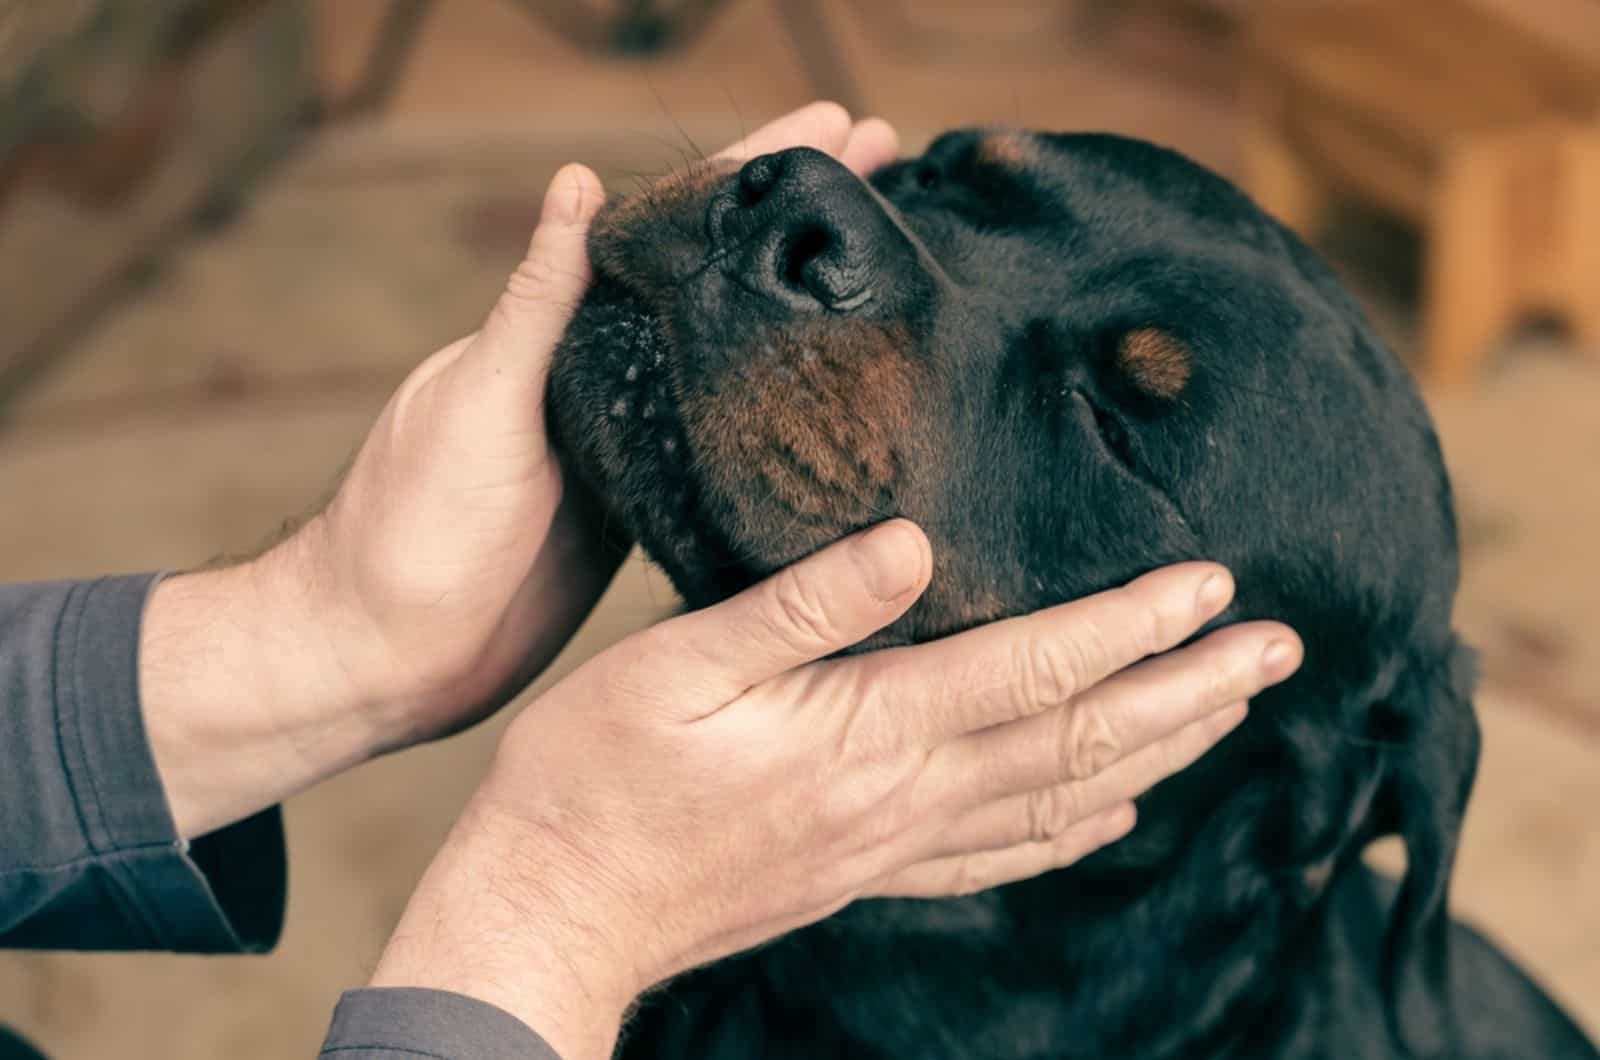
(1223, 673)
(1051, 811)
(1049, 672)
(849, 811)
(1172, 616)
(830, 882)
(536, 280)
(1156, 623)
(969, 877)
(1038, 807)
(1087, 744)
(864, 737)
(798, 612)
(1245, 664)
(1156, 618)
(1229, 677)
(887, 802)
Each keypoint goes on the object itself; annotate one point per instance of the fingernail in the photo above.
(562, 198)
(890, 560)
(1279, 660)
(1215, 592)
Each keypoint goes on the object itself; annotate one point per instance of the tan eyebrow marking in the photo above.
(1008, 150)
(1155, 362)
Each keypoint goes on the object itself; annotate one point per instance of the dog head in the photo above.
(1070, 359)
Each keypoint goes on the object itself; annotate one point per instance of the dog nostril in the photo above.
(804, 247)
(758, 177)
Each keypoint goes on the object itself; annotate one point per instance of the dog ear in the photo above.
(1424, 796)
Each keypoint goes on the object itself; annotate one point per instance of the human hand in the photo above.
(460, 558)
(717, 780)
(450, 567)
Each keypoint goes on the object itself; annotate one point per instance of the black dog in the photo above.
(1070, 359)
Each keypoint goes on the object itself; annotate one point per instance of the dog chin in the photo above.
(615, 417)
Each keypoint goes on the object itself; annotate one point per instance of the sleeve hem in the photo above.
(225, 893)
(409, 1022)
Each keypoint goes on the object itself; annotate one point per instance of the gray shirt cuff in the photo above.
(96, 862)
(403, 1023)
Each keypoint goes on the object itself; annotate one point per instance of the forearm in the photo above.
(243, 699)
(94, 862)
(494, 918)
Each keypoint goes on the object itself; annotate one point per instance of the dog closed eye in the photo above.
(1112, 432)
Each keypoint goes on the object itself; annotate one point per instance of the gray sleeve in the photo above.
(89, 855)
(399, 1023)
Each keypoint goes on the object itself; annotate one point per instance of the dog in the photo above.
(1070, 359)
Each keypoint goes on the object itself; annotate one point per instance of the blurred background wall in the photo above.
(229, 227)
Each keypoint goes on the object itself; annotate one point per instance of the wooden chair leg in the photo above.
(1469, 303)
(1583, 232)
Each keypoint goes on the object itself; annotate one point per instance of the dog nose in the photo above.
(801, 228)
(760, 175)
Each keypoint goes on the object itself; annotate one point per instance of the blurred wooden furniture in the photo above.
(1457, 116)
(121, 121)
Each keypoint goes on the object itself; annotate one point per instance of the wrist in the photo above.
(244, 701)
(435, 639)
(505, 916)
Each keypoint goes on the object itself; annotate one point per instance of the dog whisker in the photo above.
(650, 82)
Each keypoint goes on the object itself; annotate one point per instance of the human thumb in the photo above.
(540, 297)
(822, 604)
